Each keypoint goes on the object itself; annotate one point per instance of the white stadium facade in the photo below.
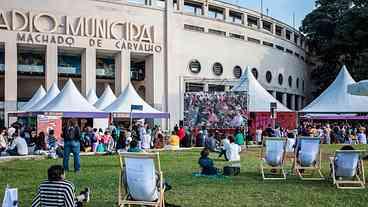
(164, 47)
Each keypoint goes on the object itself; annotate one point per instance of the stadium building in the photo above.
(164, 47)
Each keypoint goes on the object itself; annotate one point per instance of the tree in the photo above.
(337, 34)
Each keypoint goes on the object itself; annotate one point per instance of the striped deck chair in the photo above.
(307, 160)
(347, 169)
(272, 158)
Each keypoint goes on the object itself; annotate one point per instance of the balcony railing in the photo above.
(30, 68)
(68, 70)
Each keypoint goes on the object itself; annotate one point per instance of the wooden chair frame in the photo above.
(264, 166)
(315, 168)
(123, 194)
(357, 182)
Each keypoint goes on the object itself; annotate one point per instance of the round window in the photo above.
(297, 83)
(255, 73)
(217, 69)
(290, 81)
(237, 71)
(268, 76)
(281, 79)
(195, 66)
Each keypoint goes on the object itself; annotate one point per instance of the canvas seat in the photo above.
(141, 180)
(347, 169)
(272, 157)
(307, 158)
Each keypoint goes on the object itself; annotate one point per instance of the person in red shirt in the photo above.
(181, 135)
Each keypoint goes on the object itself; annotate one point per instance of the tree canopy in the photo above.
(337, 34)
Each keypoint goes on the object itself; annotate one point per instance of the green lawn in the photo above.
(101, 174)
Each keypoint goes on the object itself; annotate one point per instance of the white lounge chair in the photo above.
(347, 169)
(272, 157)
(141, 180)
(308, 158)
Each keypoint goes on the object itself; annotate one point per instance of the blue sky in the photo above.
(280, 9)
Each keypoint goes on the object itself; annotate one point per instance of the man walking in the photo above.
(71, 135)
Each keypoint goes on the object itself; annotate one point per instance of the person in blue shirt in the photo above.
(206, 163)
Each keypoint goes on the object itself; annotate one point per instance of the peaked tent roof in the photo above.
(128, 97)
(91, 96)
(106, 98)
(69, 100)
(40, 93)
(259, 98)
(51, 94)
(336, 99)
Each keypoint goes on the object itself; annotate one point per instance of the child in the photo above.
(206, 163)
(51, 140)
(134, 146)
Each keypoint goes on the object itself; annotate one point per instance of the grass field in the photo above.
(101, 174)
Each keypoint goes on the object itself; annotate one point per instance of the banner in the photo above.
(215, 109)
(45, 123)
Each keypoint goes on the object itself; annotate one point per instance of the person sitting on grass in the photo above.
(56, 191)
(206, 163)
(174, 141)
(133, 147)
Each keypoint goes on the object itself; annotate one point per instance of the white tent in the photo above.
(91, 96)
(51, 94)
(40, 93)
(259, 98)
(106, 98)
(122, 105)
(69, 100)
(336, 99)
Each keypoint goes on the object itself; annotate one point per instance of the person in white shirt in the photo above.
(225, 145)
(233, 150)
(259, 136)
(18, 147)
(146, 141)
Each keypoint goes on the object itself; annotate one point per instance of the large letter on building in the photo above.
(78, 29)
(3, 21)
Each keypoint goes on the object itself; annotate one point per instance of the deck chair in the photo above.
(141, 180)
(272, 157)
(347, 169)
(308, 158)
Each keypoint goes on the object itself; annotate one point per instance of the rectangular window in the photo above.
(69, 64)
(31, 63)
(237, 36)
(296, 37)
(302, 57)
(250, 39)
(193, 28)
(289, 51)
(280, 48)
(288, 35)
(252, 21)
(278, 30)
(2, 61)
(105, 67)
(267, 44)
(235, 17)
(267, 26)
(297, 54)
(216, 13)
(217, 32)
(194, 87)
(192, 8)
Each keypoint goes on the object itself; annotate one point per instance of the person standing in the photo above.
(71, 135)
(259, 136)
(181, 134)
(239, 137)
